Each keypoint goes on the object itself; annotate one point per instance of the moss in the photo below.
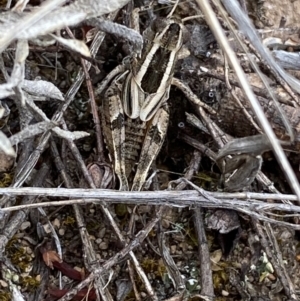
(5, 179)
(30, 283)
(5, 295)
(69, 221)
(154, 266)
(18, 255)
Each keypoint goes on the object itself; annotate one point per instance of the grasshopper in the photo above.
(135, 111)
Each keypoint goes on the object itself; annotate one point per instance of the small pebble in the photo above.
(225, 293)
(28, 250)
(183, 246)
(61, 231)
(102, 232)
(92, 237)
(179, 264)
(15, 278)
(103, 245)
(98, 241)
(3, 283)
(173, 249)
(285, 235)
(28, 269)
(24, 243)
(251, 279)
(47, 228)
(56, 223)
(25, 225)
(271, 277)
(30, 240)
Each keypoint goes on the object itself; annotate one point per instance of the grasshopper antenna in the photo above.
(173, 9)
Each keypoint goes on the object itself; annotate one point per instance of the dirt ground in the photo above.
(187, 252)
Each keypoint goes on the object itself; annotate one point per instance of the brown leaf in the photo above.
(84, 294)
(68, 270)
(215, 258)
(50, 257)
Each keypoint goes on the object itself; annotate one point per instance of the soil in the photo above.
(251, 260)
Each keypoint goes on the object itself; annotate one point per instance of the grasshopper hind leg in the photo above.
(114, 131)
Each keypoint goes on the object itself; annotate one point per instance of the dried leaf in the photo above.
(6, 146)
(49, 257)
(4, 110)
(42, 88)
(90, 35)
(215, 258)
(223, 221)
(75, 45)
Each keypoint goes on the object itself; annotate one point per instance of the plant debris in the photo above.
(217, 217)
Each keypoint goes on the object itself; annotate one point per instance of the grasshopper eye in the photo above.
(181, 125)
(211, 94)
